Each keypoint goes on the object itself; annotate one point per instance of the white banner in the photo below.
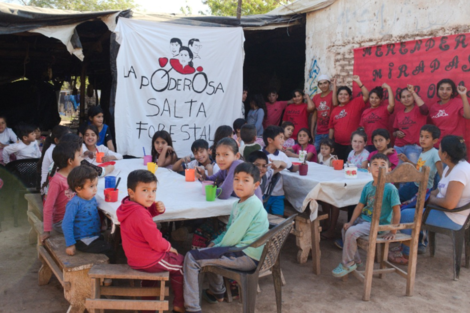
(184, 79)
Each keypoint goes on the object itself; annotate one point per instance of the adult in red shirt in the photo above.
(449, 113)
(408, 123)
(323, 103)
(344, 119)
(298, 112)
(275, 109)
(377, 115)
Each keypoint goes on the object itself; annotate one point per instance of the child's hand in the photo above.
(173, 250)
(44, 236)
(200, 174)
(385, 85)
(410, 88)
(89, 154)
(403, 157)
(160, 207)
(108, 169)
(211, 245)
(389, 236)
(275, 164)
(209, 167)
(400, 134)
(389, 151)
(356, 79)
(346, 226)
(462, 90)
(70, 250)
(107, 159)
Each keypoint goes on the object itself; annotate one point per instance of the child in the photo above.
(257, 113)
(145, 248)
(162, 149)
(327, 148)
(298, 112)
(358, 154)
(223, 131)
(381, 140)
(26, 148)
(39, 138)
(248, 221)
(90, 140)
(227, 158)
(359, 225)
(429, 136)
(81, 224)
(66, 156)
(288, 131)
(323, 105)
(304, 139)
(274, 109)
(7, 136)
(237, 126)
(203, 160)
(96, 117)
(248, 134)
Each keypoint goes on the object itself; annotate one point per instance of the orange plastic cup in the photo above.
(99, 157)
(111, 195)
(338, 164)
(190, 174)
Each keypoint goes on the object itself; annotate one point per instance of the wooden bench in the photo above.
(70, 271)
(123, 271)
(35, 206)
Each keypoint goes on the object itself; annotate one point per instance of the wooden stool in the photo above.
(123, 271)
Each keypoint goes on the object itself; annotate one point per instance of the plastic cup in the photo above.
(190, 174)
(211, 192)
(152, 167)
(147, 158)
(109, 182)
(111, 195)
(338, 164)
(99, 157)
(303, 169)
(204, 184)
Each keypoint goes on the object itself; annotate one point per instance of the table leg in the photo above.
(303, 238)
(316, 253)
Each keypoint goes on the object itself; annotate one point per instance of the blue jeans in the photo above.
(318, 139)
(275, 205)
(412, 152)
(407, 191)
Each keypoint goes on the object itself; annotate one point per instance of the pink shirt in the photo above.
(410, 124)
(57, 198)
(310, 149)
(323, 106)
(449, 118)
(374, 118)
(274, 113)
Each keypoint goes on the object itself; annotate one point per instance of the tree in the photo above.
(249, 7)
(82, 5)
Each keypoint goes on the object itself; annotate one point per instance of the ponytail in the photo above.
(57, 133)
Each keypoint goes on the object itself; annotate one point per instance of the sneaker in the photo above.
(339, 243)
(209, 297)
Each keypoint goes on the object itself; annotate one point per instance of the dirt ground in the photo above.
(435, 291)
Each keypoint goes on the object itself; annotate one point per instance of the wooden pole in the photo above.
(83, 91)
(239, 10)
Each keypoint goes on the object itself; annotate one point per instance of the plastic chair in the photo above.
(248, 281)
(459, 237)
(27, 174)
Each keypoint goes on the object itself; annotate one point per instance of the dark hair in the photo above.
(191, 41)
(165, 136)
(381, 132)
(177, 40)
(245, 88)
(257, 155)
(308, 133)
(455, 148)
(199, 144)
(379, 156)
(94, 111)
(272, 90)
(4, 118)
(299, 91)
(57, 132)
(259, 101)
(348, 90)
(24, 129)
(403, 90)
(271, 132)
(93, 128)
(229, 142)
(222, 131)
(433, 130)
(61, 155)
(287, 123)
(79, 175)
(250, 169)
(248, 133)
(360, 131)
(238, 123)
(191, 56)
(329, 143)
(452, 85)
(139, 176)
(379, 91)
(70, 137)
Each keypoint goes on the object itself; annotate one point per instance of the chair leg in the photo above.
(228, 289)
(467, 248)
(368, 272)
(276, 270)
(432, 244)
(248, 285)
(384, 257)
(458, 238)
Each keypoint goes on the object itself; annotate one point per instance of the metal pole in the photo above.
(239, 10)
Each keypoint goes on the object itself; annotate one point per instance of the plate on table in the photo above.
(106, 164)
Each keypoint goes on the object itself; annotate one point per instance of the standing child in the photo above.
(66, 156)
(7, 136)
(358, 154)
(359, 225)
(257, 113)
(26, 148)
(381, 140)
(274, 109)
(327, 148)
(237, 126)
(90, 148)
(248, 221)
(321, 116)
(248, 134)
(162, 149)
(288, 131)
(304, 139)
(203, 160)
(298, 112)
(145, 248)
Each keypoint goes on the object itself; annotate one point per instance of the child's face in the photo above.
(325, 150)
(3, 125)
(97, 120)
(90, 138)
(159, 144)
(245, 94)
(358, 143)
(343, 96)
(380, 143)
(288, 131)
(77, 159)
(277, 142)
(30, 138)
(224, 157)
(324, 85)
(89, 189)
(375, 165)
(272, 97)
(244, 185)
(253, 105)
(144, 193)
(201, 155)
(37, 132)
(425, 140)
(374, 100)
(298, 98)
(303, 138)
(262, 166)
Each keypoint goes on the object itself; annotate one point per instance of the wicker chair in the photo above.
(270, 260)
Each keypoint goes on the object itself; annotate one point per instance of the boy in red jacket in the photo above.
(146, 249)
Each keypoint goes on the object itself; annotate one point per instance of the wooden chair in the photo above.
(403, 174)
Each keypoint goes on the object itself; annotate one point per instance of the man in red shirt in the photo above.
(321, 116)
(275, 109)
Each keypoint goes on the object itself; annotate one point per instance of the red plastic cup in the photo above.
(111, 195)
(303, 169)
(338, 164)
(99, 157)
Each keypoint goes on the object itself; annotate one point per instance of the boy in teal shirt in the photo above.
(248, 221)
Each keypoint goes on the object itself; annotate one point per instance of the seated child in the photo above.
(7, 136)
(145, 248)
(304, 139)
(381, 141)
(248, 221)
(81, 224)
(237, 126)
(26, 148)
(203, 160)
(90, 148)
(39, 138)
(248, 133)
(429, 136)
(289, 142)
(359, 153)
(162, 150)
(359, 225)
(223, 131)
(325, 157)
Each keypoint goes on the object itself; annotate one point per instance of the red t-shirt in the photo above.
(58, 195)
(448, 117)
(274, 113)
(374, 118)
(410, 123)
(323, 105)
(298, 115)
(345, 120)
(310, 149)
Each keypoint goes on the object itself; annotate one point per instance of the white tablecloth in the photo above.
(183, 200)
(322, 183)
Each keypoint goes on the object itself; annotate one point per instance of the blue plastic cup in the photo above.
(109, 182)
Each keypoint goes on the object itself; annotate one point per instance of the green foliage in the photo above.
(249, 7)
(83, 5)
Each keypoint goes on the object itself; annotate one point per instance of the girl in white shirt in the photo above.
(7, 136)
(90, 138)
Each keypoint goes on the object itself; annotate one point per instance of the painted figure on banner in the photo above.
(184, 63)
(195, 46)
(175, 45)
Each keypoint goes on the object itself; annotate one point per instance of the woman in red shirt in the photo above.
(298, 112)
(345, 117)
(450, 112)
(377, 115)
(408, 122)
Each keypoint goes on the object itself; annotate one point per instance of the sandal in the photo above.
(396, 256)
(211, 298)
(342, 270)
